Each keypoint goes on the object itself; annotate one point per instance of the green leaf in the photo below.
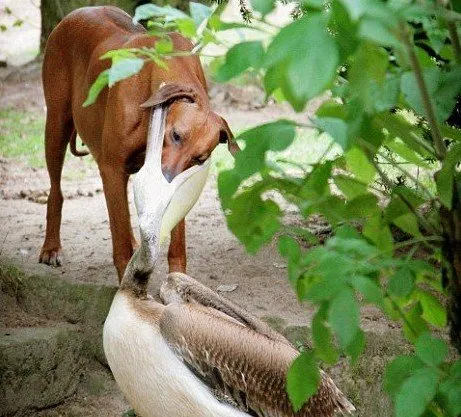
(263, 6)
(443, 88)
(97, 87)
(370, 290)
(344, 317)
(303, 69)
(164, 46)
(303, 379)
(357, 346)
(399, 370)
(313, 4)
(289, 248)
(409, 155)
(239, 58)
(323, 340)
(408, 223)
(187, 27)
(398, 125)
(385, 95)
(228, 183)
(431, 350)
(148, 11)
(118, 54)
(368, 68)
(434, 311)
(379, 233)
(335, 127)
(199, 12)
(272, 136)
(376, 31)
(360, 165)
(275, 136)
(124, 68)
(332, 109)
(350, 187)
(316, 183)
(325, 289)
(444, 178)
(253, 220)
(450, 389)
(414, 325)
(364, 206)
(402, 282)
(355, 8)
(416, 393)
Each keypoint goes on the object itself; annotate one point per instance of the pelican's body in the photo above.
(154, 380)
(171, 360)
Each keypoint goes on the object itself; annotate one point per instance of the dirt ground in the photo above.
(215, 257)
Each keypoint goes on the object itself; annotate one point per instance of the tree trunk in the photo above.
(54, 10)
(451, 272)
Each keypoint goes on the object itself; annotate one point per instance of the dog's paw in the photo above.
(51, 257)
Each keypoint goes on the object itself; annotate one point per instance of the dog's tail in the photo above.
(73, 145)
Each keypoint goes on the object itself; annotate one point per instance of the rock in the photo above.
(43, 199)
(227, 287)
(39, 367)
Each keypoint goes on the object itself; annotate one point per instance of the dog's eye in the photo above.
(176, 137)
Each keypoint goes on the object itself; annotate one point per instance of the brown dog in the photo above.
(115, 128)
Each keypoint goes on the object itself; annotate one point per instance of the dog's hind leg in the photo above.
(58, 132)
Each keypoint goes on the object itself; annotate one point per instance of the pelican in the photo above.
(198, 354)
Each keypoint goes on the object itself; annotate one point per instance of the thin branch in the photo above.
(397, 166)
(427, 225)
(415, 241)
(439, 145)
(454, 39)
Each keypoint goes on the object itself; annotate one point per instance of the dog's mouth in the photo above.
(136, 161)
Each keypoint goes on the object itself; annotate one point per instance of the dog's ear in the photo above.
(225, 135)
(171, 92)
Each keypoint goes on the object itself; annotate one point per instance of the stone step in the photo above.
(56, 299)
(39, 366)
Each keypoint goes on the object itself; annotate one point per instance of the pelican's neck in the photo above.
(142, 263)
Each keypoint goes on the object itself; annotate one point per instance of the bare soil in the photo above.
(215, 257)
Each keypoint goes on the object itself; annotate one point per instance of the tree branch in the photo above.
(439, 145)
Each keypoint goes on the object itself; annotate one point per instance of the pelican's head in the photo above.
(153, 195)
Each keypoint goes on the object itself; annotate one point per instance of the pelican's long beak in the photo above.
(152, 195)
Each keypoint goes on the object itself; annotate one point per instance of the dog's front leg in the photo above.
(115, 182)
(177, 251)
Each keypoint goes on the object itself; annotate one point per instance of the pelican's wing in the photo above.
(237, 361)
(180, 287)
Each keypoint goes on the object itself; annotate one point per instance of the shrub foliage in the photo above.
(393, 73)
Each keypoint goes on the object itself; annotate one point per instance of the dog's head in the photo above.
(192, 130)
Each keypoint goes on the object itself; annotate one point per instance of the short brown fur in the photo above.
(115, 128)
